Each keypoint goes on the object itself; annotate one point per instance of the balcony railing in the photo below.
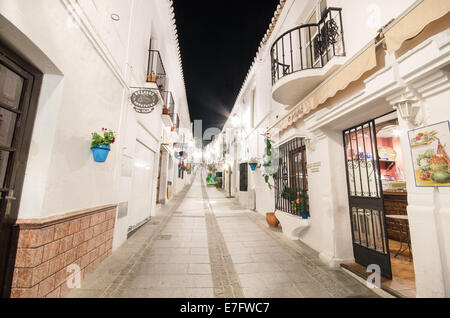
(155, 71)
(169, 104)
(309, 46)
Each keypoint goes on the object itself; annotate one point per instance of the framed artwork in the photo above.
(430, 147)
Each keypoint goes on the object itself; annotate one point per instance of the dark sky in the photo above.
(219, 40)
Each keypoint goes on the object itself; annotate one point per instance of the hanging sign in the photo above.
(144, 100)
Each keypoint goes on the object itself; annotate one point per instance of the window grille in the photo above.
(291, 180)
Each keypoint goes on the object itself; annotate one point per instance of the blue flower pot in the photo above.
(253, 166)
(305, 215)
(100, 153)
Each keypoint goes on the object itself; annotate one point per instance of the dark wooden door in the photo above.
(19, 91)
(243, 177)
(368, 221)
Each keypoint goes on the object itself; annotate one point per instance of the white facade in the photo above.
(92, 54)
(419, 72)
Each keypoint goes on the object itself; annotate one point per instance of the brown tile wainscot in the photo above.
(46, 249)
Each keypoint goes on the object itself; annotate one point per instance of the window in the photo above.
(243, 177)
(291, 181)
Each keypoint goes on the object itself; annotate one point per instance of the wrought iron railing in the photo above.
(291, 180)
(309, 46)
(169, 104)
(156, 72)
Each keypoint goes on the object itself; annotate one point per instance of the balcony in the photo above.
(156, 74)
(168, 109)
(306, 55)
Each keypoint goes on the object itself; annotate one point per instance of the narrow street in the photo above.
(203, 245)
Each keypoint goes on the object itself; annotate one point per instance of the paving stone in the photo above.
(202, 245)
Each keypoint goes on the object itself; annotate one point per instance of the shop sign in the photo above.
(430, 147)
(144, 100)
(314, 167)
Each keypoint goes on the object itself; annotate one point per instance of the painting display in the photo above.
(429, 148)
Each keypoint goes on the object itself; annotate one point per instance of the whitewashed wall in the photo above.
(89, 62)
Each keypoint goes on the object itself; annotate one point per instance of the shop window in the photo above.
(243, 177)
(291, 180)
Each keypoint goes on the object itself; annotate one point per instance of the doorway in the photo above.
(158, 185)
(378, 202)
(142, 186)
(20, 85)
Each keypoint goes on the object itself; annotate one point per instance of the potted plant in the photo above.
(253, 163)
(101, 145)
(272, 220)
(301, 205)
(151, 78)
(166, 111)
(269, 168)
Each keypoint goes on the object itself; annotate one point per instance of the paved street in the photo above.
(203, 245)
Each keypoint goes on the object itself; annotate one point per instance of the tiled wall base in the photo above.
(51, 251)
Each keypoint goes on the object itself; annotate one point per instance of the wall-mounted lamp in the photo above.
(408, 110)
(310, 144)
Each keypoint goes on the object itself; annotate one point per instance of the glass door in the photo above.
(370, 242)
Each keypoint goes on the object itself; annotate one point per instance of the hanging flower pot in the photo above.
(174, 128)
(166, 111)
(100, 153)
(253, 166)
(101, 145)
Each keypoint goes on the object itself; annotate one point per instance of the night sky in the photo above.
(219, 40)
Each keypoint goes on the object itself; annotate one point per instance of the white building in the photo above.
(69, 68)
(332, 71)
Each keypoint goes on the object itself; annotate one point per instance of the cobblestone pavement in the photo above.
(202, 245)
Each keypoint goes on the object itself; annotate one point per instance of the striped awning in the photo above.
(414, 22)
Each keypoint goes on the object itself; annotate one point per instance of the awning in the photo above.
(349, 73)
(414, 22)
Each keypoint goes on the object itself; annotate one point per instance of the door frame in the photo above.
(15, 174)
(365, 255)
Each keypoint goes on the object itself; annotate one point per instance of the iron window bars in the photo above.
(309, 46)
(156, 72)
(292, 177)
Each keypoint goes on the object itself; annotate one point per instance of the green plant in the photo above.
(301, 204)
(289, 193)
(108, 138)
(268, 168)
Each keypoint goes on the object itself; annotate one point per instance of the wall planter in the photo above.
(166, 111)
(253, 166)
(272, 220)
(101, 145)
(100, 153)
